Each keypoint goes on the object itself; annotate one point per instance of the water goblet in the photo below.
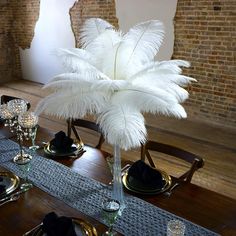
(24, 164)
(110, 209)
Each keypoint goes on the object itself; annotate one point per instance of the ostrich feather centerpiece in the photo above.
(114, 76)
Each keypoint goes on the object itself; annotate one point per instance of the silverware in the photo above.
(32, 230)
(14, 194)
(168, 193)
(11, 199)
(123, 171)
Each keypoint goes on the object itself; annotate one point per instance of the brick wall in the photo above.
(17, 22)
(7, 45)
(205, 33)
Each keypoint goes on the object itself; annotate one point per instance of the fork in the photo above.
(11, 199)
(168, 193)
(33, 230)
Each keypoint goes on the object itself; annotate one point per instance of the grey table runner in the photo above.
(86, 195)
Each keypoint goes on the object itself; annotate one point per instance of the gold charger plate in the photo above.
(165, 177)
(75, 149)
(9, 181)
(82, 228)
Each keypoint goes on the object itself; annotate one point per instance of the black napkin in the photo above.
(61, 142)
(145, 176)
(58, 226)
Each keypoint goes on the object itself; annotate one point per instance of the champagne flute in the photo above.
(110, 209)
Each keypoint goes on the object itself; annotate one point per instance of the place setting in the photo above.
(63, 146)
(54, 225)
(141, 178)
(11, 186)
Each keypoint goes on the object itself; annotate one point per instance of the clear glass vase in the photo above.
(117, 191)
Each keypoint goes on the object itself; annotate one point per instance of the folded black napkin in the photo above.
(58, 226)
(143, 175)
(61, 142)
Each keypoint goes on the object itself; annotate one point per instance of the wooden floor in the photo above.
(216, 144)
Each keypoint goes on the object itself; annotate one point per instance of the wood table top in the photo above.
(201, 206)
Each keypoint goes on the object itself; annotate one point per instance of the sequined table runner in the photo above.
(86, 195)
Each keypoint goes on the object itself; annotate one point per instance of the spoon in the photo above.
(11, 199)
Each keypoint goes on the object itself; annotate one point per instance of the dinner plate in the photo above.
(82, 228)
(52, 151)
(9, 182)
(135, 189)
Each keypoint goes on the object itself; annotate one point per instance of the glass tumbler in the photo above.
(175, 228)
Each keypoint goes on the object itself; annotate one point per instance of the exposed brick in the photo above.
(205, 36)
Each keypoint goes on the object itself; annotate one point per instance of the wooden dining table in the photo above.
(206, 208)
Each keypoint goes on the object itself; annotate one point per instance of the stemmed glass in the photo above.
(110, 209)
(16, 107)
(34, 147)
(27, 122)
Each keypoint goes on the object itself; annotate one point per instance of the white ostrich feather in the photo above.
(164, 67)
(168, 86)
(123, 126)
(79, 61)
(144, 39)
(72, 105)
(69, 85)
(109, 85)
(104, 42)
(157, 79)
(74, 76)
(91, 29)
(155, 101)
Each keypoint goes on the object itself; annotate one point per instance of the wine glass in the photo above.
(110, 209)
(24, 164)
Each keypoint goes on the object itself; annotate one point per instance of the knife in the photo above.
(15, 194)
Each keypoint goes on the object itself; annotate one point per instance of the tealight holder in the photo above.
(21, 122)
(28, 122)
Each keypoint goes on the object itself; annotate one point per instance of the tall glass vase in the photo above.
(118, 193)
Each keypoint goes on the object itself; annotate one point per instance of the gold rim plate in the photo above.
(75, 149)
(10, 181)
(165, 177)
(82, 228)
